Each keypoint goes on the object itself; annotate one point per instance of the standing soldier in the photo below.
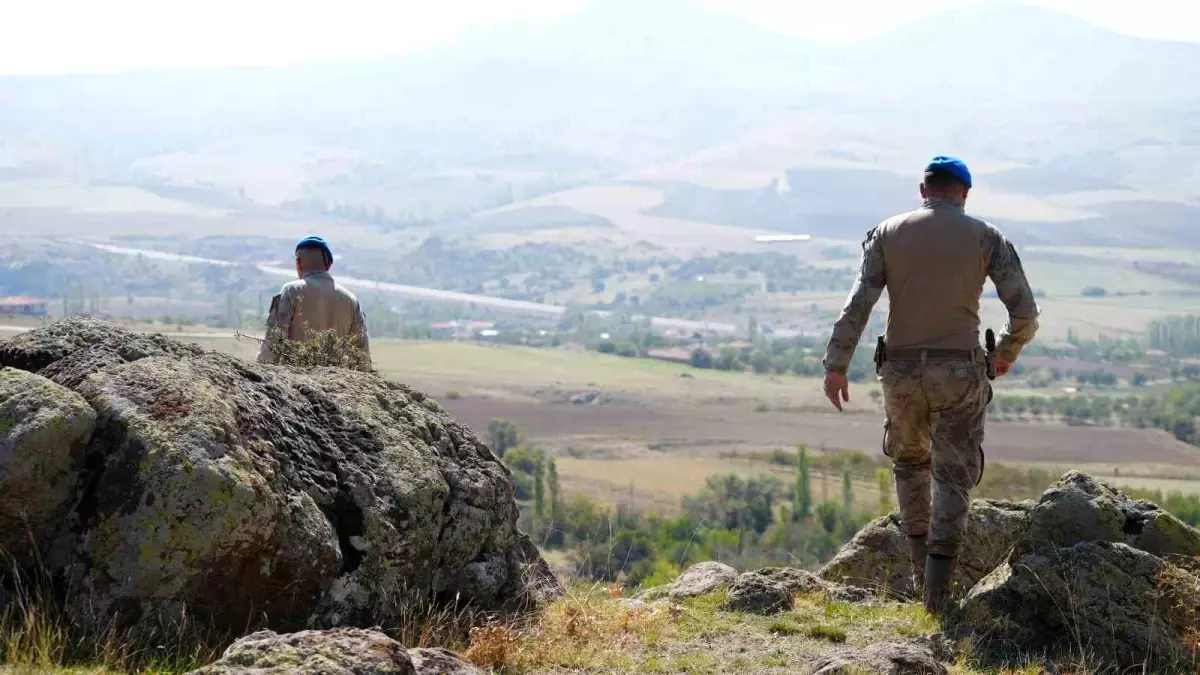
(313, 304)
(933, 262)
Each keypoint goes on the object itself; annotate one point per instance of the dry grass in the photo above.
(592, 630)
(36, 636)
(586, 629)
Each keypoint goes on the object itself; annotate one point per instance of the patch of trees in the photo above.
(1176, 335)
(1175, 411)
(692, 296)
(358, 213)
(783, 273)
(503, 435)
(743, 521)
(533, 271)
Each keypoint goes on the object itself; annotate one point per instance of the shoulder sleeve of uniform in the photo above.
(1008, 275)
(856, 314)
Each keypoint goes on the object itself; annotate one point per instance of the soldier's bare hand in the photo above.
(837, 389)
(1002, 367)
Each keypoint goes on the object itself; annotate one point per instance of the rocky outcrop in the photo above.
(917, 657)
(1108, 600)
(341, 651)
(43, 431)
(758, 594)
(1079, 508)
(877, 557)
(237, 491)
(1084, 570)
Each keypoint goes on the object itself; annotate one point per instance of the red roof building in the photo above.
(18, 305)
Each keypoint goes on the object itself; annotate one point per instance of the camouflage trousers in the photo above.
(934, 429)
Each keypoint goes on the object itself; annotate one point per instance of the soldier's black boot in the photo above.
(938, 571)
(918, 548)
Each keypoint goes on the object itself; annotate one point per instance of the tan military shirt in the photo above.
(312, 305)
(933, 263)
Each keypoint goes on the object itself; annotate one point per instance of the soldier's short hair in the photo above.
(942, 180)
(312, 258)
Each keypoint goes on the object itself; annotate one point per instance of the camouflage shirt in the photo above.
(313, 305)
(933, 263)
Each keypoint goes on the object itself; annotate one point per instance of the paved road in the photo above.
(423, 293)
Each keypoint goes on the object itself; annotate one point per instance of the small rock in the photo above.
(917, 657)
(341, 651)
(655, 593)
(440, 662)
(795, 580)
(755, 593)
(703, 578)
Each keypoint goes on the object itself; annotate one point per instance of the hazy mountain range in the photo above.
(1078, 134)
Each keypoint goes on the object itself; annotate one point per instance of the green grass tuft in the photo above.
(826, 631)
(785, 627)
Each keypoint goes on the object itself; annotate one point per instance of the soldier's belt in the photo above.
(935, 355)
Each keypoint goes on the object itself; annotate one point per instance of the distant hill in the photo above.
(1066, 123)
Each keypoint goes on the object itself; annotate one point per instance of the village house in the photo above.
(23, 306)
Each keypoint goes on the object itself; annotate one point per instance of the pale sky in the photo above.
(70, 36)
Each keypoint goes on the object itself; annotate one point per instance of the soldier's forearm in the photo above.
(1018, 333)
(849, 327)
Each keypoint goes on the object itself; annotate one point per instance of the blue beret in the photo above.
(951, 165)
(313, 241)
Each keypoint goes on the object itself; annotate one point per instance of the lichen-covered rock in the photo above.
(440, 662)
(1080, 508)
(916, 657)
(654, 593)
(43, 430)
(703, 578)
(797, 581)
(1120, 604)
(341, 651)
(234, 490)
(755, 593)
(877, 558)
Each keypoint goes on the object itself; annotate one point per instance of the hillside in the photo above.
(1071, 127)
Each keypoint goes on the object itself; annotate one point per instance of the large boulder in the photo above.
(1079, 508)
(341, 651)
(44, 428)
(1108, 600)
(243, 492)
(877, 557)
